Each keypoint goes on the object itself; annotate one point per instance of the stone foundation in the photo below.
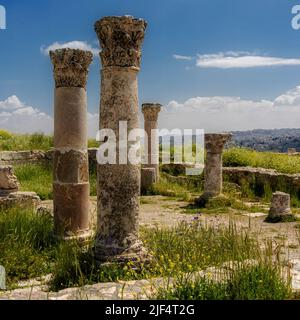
(25, 200)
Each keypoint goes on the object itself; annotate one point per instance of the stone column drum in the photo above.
(119, 184)
(151, 111)
(70, 172)
(213, 177)
(280, 210)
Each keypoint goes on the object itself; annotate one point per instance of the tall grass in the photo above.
(241, 157)
(38, 178)
(27, 247)
(260, 282)
(18, 142)
(28, 250)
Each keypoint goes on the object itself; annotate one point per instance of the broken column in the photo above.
(8, 181)
(10, 197)
(280, 210)
(70, 174)
(121, 40)
(151, 111)
(213, 177)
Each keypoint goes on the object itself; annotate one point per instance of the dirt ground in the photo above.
(159, 211)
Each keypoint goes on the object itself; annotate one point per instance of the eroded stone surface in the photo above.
(70, 170)
(28, 200)
(280, 207)
(213, 177)
(151, 111)
(71, 67)
(119, 184)
(8, 181)
(148, 179)
(121, 40)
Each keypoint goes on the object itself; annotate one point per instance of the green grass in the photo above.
(18, 142)
(241, 157)
(38, 178)
(35, 178)
(28, 250)
(261, 282)
(26, 142)
(172, 190)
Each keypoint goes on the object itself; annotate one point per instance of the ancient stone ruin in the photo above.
(151, 111)
(8, 181)
(71, 175)
(148, 179)
(121, 40)
(213, 184)
(280, 210)
(10, 197)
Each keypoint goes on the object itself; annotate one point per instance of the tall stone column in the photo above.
(119, 184)
(151, 111)
(213, 176)
(70, 172)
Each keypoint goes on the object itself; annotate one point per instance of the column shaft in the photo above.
(70, 165)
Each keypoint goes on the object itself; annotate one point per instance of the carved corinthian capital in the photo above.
(71, 67)
(151, 111)
(215, 142)
(121, 40)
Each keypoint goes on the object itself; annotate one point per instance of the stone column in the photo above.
(213, 177)
(151, 111)
(119, 184)
(70, 172)
(280, 210)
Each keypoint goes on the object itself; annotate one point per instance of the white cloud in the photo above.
(82, 45)
(215, 114)
(17, 117)
(11, 103)
(241, 59)
(179, 57)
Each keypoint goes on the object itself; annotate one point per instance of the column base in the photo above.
(206, 198)
(289, 217)
(81, 237)
(137, 253)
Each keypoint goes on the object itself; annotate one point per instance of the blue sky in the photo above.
(202, 31)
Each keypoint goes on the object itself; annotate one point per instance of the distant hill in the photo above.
(278, 140)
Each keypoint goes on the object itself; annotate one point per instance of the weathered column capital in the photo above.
(121, 40)
(214, 142)
(71, 67)
(151, 111)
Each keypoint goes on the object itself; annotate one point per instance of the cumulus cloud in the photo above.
(221, 113)
(213, 114)
(17, 117)
(82, 45)
(180, 57)
(241, 59)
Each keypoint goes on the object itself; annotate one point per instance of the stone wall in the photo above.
(23, 157)
(258, 179)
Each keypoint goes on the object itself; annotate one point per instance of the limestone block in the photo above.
(8, 181)
(148, 178)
